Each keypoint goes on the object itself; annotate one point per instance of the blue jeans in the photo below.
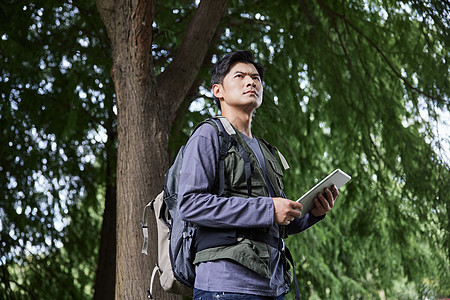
(205, 295)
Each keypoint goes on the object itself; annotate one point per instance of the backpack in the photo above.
(175, 237)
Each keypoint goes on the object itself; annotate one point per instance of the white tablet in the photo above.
(337, 177)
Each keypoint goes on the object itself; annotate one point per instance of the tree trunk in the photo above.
(106, 268)
(142, 147)
(142, 138)
(145, 116)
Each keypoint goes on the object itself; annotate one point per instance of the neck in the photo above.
(240, 120)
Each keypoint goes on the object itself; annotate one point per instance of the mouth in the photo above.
(251, 92)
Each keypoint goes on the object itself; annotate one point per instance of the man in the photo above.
(236, 258)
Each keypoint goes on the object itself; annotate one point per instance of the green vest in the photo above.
(251, 254)
(235, 181)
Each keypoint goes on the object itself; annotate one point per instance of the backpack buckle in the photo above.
(281, 245)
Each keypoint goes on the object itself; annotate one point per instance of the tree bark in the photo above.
(106, 268)
(142, 139)
(145, 115)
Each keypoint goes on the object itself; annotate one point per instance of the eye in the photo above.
(256, 78)
(239, 75)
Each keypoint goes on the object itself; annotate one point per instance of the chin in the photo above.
(258, 103)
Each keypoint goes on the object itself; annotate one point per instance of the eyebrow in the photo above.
(246, 73)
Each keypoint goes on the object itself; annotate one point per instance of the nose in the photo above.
(250, 81)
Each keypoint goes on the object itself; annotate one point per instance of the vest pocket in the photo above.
(234, 168)
(277, 172)
(251, 254)
(235, 175)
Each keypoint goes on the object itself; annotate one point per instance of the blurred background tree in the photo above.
(357, 85)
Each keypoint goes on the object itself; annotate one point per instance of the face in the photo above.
(241, 87)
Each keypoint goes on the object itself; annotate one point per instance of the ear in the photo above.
(217, 90)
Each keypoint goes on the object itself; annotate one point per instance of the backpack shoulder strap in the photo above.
(227, 135)
(220, 123)
(247, 163)
(226, 125)
(225, 132)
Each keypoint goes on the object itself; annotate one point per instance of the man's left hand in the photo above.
(322, 204)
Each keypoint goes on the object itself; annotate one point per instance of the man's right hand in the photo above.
(285, 210)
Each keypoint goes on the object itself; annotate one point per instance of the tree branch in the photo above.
(341, 42)
(106, 9)
(105, 43)
(193, 91)
(334, 14)
(174, 83)
(312, 20)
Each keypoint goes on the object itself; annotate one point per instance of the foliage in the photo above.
(360, 76)
(346, 86)
(356, 85)
(55, 109)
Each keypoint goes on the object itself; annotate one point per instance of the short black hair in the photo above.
(223, 66)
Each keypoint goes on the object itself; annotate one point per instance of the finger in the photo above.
(322, 198)
(295, 214)
(286, 222)
(323, 201)
(296, 205)
(330, 198)
(295, 210)
(318, 203)
(335, 192)
(283, 222)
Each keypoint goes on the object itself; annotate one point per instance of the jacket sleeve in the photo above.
(197, 203)
(303, 223)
